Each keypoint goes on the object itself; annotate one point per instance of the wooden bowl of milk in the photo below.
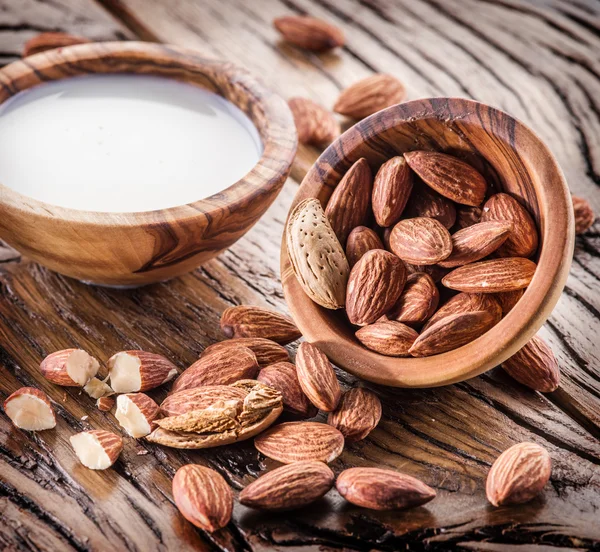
(129, 163)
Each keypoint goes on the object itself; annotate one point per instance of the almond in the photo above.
(314, 124)
(316, 255)
(361, 240)
(424, 202)
(584, 214)
(357, 415)
(97, 449)
(391, 190)
(534, 366)
(476, 242)
(419, 299)
(317, 378)
(374, 286)
(266, 351)
(467, 302)
(69, 367)
(380, 489)
(301, 441)
(132, 371)
(309, 33)
(421, 241)
(435, 272)
(49, 41)
(219, 368)
(467, 216)
(200, 398)
(287, 487)
(135, 414)
(387, 337)
(246, 321)
(105, 404)
(30, 409)
(523, 240)
(283, 377)
(369, 95)
(451, 332)
(507, 274)
(348, 206)
(203, 497)
(518, 475)
(448, 176)
(97, 388)
(509, 299)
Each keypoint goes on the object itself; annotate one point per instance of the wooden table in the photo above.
(539, 60)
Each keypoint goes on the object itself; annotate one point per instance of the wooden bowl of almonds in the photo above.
(428, 243)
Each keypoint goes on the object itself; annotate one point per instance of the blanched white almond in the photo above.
(132, 371)
(69, 367)
(97, 388)
(135, 413)
(29, 408)
(97, 449)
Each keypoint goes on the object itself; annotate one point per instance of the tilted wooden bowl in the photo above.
(139, 248)
(514, 160)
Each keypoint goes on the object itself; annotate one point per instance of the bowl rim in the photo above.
(500, 342)
(267, 111)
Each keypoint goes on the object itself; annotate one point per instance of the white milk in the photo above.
(123, 143)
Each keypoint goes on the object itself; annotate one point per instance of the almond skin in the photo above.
(499, 275)
(467, 302)
(391, 190)
(419, 299)
(374, 286)
(518, 475)
(199, 398)
(534, 366)
(449, 176)
(317, 378)
(369, 95)
(266, 351)
(523, 240)
(388, 337)
(350, 201)
(451, 332)
(203, 497)
(467, 216)
(50, 41)
(288, 487)
(584, 214)
(357, 415)
(421, 241)
(509, 299)
(476, 242)
(361, 240)
(314, 124)
(380, 489)
(247, 321)
(424, 202)
(301, 441)
(309, 33)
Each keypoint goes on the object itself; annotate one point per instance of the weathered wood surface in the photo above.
(538, 60)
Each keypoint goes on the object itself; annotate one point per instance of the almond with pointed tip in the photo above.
(249, 321)
(467, 302)
(135, 414)
(518, 475)
(49, 41)
(425, 202)
(69, 367)
(30, 409)
(418, 301)
(203, 497)
(266, 351)
(309, 33)
(357, 414)
(369, 95)
(391, 190)
(317, 378)
(132, 371)
(449, 176)
(421, 241)
(361, 240)
(584, 214)
(388, 337)
(97, 449)
(497, 275)
(199, 398)
(314, 124)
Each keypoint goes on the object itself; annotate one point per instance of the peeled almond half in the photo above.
(29, 408)
(97, 449)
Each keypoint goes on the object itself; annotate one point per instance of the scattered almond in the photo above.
(69, 367)
(30, 409)
(418, 301)
(132, 371)
(266, 351)
(391, 190)
(421, 241)
(314, 124)
(425, 202)
(361, 240)
(317, 378)
(388, 337)
(199, 398)
(369, 95)
(97, 449)
(135, 413)
(468, 302)
(248, 321)
(357, 415)
(49, 41)
(105, 404)
(584, 214)
(97, 388)
(309, 33)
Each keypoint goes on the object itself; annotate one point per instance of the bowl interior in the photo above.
(513, 160)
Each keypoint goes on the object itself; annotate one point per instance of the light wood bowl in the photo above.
(514, 160)
(130, 249)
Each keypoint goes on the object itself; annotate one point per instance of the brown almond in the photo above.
(361, 240)
(314, 124)
(467, 216)
(50, 41)
(203, 497)
(451, 332)
(584, 214)
(534, 366)
(419, 299)
(317, 378)
(421, 241)
(523, 240)
(388, 337)
(498, 275)
(476, 242)
(518, 475)
(301, 441)
(448, 176)
(69, 367)
(316, 255)
(30, 409)
(467, 302)
(309, 33)
(357, 415)
(105, 404)
(374, 286)
(132, 371)
(425, 202)
(391, 190)
(348, 206)
(288, 487)
(369, 95)
(97, 449)
(199, 398)
(380, 489)
(509, 299)
(266, 351)
(435, 272)
(283, 377)
(248, 321)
